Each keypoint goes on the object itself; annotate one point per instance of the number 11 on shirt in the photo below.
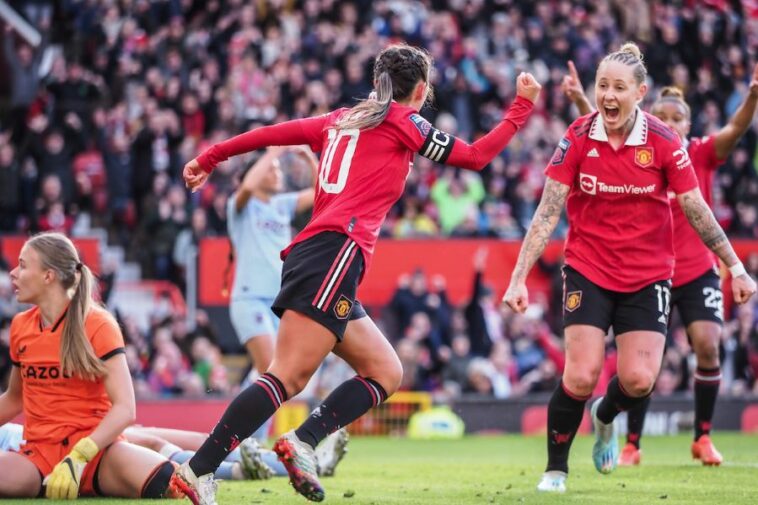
(664, 299)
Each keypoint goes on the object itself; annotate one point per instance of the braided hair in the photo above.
(629, 54)
(397, 70)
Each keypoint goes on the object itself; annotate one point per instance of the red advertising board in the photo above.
(89, 250)
(450, 258)
(453, 259)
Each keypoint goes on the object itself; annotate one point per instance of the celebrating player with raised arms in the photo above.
(696, 286)
(71, 381)
(259, 228)
(613, 170)
(366, 155)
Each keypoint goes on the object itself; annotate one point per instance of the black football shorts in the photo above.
(584, 302)
(700, 299)
(320, 278)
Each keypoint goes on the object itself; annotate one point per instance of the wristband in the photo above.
(737, 269)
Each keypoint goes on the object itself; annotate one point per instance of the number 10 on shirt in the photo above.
(325, 171)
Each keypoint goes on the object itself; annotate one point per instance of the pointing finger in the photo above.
(572, 70)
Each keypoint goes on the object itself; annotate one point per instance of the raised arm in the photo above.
(306, 197)
(572, 88)
(544, 222)
(702, 220)
(480, 264)
(9, 48)
(477, 155)
(726, 139)
(288, 133)
(254, 176)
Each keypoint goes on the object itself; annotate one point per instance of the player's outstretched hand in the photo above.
(480, 258)
(743, 287)
(527, 86)
(754, 82)
(194, 176)
(517, 297)
(571, 85)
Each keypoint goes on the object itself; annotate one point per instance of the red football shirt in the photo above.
(620, 225)
(362, 173)
(693, 258)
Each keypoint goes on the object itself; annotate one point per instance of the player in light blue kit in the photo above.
(259, 222)
(248, 462)
(11, 436)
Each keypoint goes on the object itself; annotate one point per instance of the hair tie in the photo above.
(79, 266)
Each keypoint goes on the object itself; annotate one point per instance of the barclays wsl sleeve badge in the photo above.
(560, 151)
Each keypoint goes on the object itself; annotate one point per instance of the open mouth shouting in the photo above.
(611, 112)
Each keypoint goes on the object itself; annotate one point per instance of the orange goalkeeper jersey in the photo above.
(56, 406)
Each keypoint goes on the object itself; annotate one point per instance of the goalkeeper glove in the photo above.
(63, 482)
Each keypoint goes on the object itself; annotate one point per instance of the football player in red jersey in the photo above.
(696, 286)
(366, 155)
(613, 170)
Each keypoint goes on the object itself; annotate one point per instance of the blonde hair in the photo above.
(57, 253)
(672, 94)
(397, 70)
(629, 54)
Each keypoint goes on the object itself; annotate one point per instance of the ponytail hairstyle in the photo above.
(672, 94)
(397, 70)
(57, 253)
(629, 54)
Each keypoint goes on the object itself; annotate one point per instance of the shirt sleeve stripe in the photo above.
(109, 355)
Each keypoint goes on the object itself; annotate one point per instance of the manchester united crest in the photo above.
(343, 307)
(643, 156)
(573, 300)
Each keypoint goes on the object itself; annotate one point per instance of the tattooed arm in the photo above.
(544, 222)
(702, 220)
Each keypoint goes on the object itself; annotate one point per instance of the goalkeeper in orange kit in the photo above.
(71, 381)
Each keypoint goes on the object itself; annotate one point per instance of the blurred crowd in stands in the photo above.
(99, 119)
(478, 348)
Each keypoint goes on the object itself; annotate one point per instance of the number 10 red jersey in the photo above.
(362, 173)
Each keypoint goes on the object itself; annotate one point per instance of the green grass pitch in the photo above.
(505, 469)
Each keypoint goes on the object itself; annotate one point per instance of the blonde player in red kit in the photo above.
(696, 286)
(613, 170)
(366, 155)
